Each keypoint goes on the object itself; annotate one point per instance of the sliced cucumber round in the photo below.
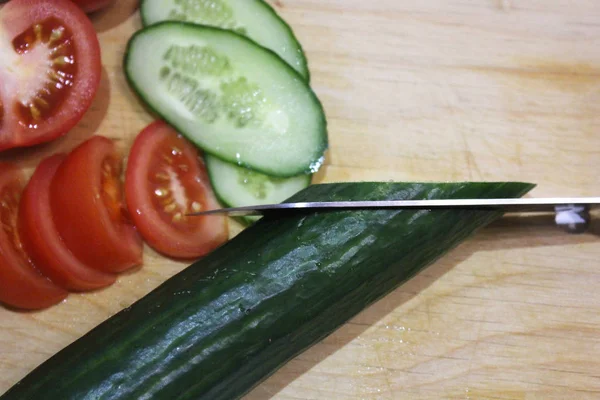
(237, 186)
(253, 18)
(233, 98)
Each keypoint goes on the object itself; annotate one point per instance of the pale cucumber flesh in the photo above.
(252, 18)
(237, 186)
(232, 98)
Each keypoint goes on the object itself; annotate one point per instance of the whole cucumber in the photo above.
(224, 324)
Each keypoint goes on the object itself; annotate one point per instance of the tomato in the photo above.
(50, 70)
(92, 5)
(86, 199)
(165, 180)
(42, 241)
(21, 285)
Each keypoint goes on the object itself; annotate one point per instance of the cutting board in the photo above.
(442, 90)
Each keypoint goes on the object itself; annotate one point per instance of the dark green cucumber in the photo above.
(255, 19)
(233, 98)
(221, 326)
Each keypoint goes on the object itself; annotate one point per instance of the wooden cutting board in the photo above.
(416, 90)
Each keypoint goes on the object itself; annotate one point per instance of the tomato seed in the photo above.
(107, 169)
(56, 34)
(177, 217)
(8, 216)
(37, 29)
(196, 207)
(58, 49)
(162, 177)
(170, 207)
(184, 167)
(176, 151)
(35, 112)
(161, 192)
(55, 77)
(7, 228)
(62, 60)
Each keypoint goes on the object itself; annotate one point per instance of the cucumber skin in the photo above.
(249, 307)
(304, 71)
(323, 147)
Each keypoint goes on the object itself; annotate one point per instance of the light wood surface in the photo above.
(416, 90)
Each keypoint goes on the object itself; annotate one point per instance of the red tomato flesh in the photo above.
(50, 69)
(21, 285)
(88, 208)
(42, 241)
(165, 180)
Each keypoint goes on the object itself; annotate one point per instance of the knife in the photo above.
(506, 205)
(570, 212)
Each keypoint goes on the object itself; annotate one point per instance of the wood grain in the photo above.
(415, 90)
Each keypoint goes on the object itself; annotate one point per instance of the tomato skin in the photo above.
(21, 286)
(92, 5)
(83, 218)
(203, 234)
(41, 240)
(15, 18)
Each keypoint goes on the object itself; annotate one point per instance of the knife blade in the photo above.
(530, 205)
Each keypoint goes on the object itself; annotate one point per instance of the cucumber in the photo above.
(224, 324)
(231, 97)
(253, 18)
(236, 186)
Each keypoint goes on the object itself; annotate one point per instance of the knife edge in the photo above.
(506, 205)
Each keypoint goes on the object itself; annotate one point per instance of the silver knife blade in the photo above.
(532, 205)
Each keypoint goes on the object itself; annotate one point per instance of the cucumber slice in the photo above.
(252, 18)
(233, 98)
(237, 186)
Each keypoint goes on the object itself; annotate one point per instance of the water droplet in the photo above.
(315, 166)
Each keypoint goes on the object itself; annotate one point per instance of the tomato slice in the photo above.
(92, 5)
(166, 179)
(50, 69)
(21, 285)
(87, 204)
(42, 241)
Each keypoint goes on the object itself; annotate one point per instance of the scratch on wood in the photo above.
(566, 76)
(518, 156)
(471, 162)
(386, 373)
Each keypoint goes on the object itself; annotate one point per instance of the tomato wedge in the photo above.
(42, 241)
(166, 179)
(92, 5)
(50, 69)
(87, 204)
(21, 285)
